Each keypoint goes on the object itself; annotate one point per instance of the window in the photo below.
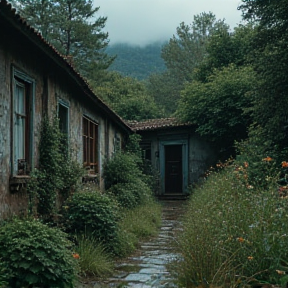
(117, 142)
(90, 145)
(146, 150)
(23, 101)
(63, 116)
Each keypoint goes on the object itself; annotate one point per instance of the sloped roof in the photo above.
(156, 124)
(8, 13)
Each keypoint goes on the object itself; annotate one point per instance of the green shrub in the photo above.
(130, 195)
(92, 213)
(57, 172)
(93, 258)
(4, 275)
(36, 255)
(121, 168)
(233, 233)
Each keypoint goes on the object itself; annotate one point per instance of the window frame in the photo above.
(19, 77)
(66, 106)
(90, 134)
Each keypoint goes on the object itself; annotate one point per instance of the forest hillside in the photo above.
(137, 61)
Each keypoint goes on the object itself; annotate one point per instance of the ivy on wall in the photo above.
(57, 173)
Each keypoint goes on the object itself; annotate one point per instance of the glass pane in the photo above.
(63, 118)
(20, 99)
(20, 138)
(85, 126)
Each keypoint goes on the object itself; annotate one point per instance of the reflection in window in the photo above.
(90, 145)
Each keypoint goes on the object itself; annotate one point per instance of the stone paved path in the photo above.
(147, 267)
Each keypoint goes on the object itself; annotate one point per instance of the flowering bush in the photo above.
(234, 232)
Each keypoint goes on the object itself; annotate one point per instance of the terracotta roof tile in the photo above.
(154, 124)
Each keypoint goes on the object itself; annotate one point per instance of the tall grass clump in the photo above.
(94, 260)
(234, 233)
(138, 223)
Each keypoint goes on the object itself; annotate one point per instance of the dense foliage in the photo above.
(219, 106)
(57, 173)
(125, 176)
(36, 255)
(92, 213)
(128, 97)
(270, 61)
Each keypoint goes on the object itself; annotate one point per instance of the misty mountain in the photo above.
(136, 61)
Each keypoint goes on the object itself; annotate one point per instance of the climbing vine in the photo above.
(57, 173)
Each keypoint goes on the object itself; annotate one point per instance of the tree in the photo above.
(188, 48)
(224, 48)
(128, 97)
(270, 61)
(218, 107)
(184, 52)
(70, 27)
(164, 88)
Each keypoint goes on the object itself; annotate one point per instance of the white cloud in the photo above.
(144, 21)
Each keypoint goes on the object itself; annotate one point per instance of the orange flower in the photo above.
(246, 164)
(76, 255)
(285, 164)
(250, 258)
(268, 159)
(241, 239)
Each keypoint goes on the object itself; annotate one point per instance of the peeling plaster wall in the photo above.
(51, 86)
(14, 203)
(201, 157)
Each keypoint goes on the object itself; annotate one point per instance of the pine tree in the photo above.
(70, 27)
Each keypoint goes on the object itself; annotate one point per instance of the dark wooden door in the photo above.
(173, 169)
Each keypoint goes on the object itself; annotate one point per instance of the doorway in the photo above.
(173, 169)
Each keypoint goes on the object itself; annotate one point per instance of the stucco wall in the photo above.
(200, 154)
(51, 86)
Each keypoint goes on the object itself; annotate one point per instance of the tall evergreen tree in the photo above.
(70, 27)
(188, 48)
(183, 53)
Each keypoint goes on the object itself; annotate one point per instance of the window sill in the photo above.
(19, 182)
(90, 178)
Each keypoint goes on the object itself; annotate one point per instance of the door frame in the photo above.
(162, 160)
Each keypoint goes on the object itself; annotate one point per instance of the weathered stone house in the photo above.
(36, 80)
(176, 151)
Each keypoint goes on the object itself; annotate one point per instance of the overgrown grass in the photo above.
(234, 234)
(93, 258)
(140, 222)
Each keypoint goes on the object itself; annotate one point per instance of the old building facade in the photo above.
(35, 80)
(180, 156)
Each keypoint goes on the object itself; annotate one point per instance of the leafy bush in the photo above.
(4, 275)
(36, 255)
(57, 172)
(130, 195)
(93, 258)
(121, 168)
(92, 213)
(233, 233)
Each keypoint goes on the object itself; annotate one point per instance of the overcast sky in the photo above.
(141, 22)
